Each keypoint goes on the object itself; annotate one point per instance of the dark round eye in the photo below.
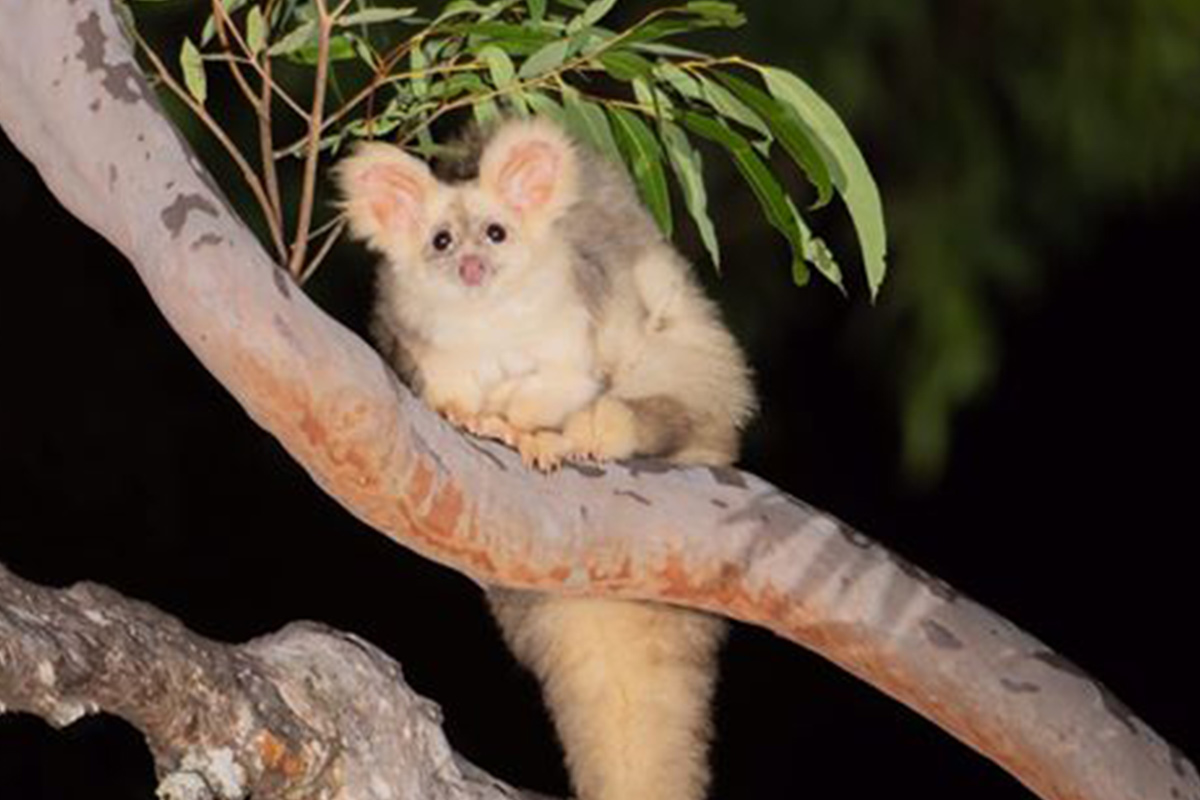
(442, 240)
(496, 233)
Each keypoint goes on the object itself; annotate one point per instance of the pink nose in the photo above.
(471, 270)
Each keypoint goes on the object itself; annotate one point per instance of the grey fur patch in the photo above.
(591, 281)
(175, 216)
(459, 162)
(664, 426)
(395, 343)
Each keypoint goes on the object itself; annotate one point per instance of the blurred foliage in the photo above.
(1001, 133)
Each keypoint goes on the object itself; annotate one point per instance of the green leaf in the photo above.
(548, 58)
(817, 252)
(298, 39)
(851, 176)
(537, 10)
(341, 48)
(516, 40)
(587, 122)
(210, 26)
(644, 155)
(486, 111)
(774, 201)
(662, 28)
(788, 131)
(499, 65)
(256, 31)
(419, 85)
(704, 90)
(545, 106)
(656, 102)
(192, 65)
(625, 66)
(457, 7)
(366, 53)
(594, 12)
(679, 80)
(667, 50)
(370, 16)
(727, 14)
(689, 173)
(729, 106)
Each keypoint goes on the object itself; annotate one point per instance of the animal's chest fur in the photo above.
(509, 334)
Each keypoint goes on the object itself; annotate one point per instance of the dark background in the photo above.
(1061, 499)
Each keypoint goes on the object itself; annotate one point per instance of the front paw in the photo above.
(486, 426)
(457, 414)
(606, 430)
(543, 450)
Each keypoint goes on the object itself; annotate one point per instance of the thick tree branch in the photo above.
(73, 101)
(306, 712)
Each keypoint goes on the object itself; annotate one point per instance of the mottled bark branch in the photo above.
(74, 102)
(306, 712)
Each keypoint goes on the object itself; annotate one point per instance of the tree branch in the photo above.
(73, 101)
(305, 712)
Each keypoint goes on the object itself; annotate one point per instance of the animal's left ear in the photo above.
(532, 166)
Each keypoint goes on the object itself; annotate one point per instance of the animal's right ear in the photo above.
(384, 193)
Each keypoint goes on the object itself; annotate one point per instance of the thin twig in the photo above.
(262, 69)
(379, 78)
(325, 22)
(335, 226)
(260, 102)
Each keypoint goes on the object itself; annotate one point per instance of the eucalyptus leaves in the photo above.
(634, 93)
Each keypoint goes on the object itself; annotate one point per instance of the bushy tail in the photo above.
(629, 685)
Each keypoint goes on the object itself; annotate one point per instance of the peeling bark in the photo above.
(716, 539)
(305, 712)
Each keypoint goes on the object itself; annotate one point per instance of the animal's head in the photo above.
(499, 226)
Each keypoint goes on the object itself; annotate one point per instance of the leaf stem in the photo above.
(325, 23)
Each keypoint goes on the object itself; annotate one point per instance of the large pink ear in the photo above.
(532, 166)
(384, 193)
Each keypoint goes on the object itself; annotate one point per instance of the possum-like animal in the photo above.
(527, 295)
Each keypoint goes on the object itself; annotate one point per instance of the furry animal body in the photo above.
(527, 295)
